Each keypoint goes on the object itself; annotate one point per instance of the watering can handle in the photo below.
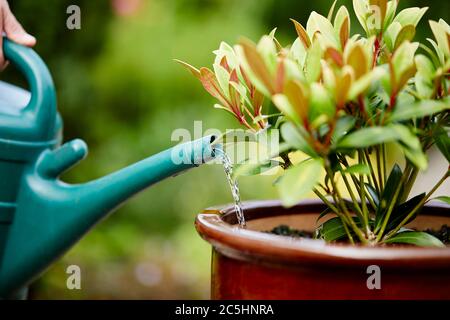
(36, 121)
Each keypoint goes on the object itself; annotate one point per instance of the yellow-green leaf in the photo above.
(406, 33)
(298, 181)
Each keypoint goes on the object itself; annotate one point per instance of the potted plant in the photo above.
(344, 102)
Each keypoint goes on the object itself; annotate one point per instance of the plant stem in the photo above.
(325, 200)
(350, 237)
(364, 206)
(393, 203)
(418, 206)
(380, 176)
(352, 195)
(357, 185)
(383, 156)
(341, 203)
(372, 172)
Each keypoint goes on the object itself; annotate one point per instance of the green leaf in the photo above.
(331, 11)
(223, 77)
(312, 64)
(341, 15)
(407, 33)
(401, 211)
(403, 62)
(410, 145)
(440, 33)
(360, 168)
(321, 104)
(298, 53)
(439, 52)
(321, 25)
(390, 13)
(333, 229)
(295, 139)
(343, 126)
(298, 181)
(367, 137)
(415, 155)
(442, 140)
(410, 16)
(425, 66)
(283, 104)
(388, 193)
(391, 34)
(268, 50)
(371, 136)
(251, 169)
(361, 10)
(324, 213)
(373, 193)
(417, 238)
(424, 79)
(445, 199)
(420, 109)
(424, 86)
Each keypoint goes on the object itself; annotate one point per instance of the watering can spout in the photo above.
(92, 200)
(66, 212)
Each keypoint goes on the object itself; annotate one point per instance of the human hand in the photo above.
(13, 31)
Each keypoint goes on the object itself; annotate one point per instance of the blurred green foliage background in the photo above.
(119, 90)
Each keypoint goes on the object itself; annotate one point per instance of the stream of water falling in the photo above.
(228, 168)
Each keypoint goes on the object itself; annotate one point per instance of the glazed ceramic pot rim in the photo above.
(243, 244)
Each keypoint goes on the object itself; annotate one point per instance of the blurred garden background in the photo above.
(120, 90)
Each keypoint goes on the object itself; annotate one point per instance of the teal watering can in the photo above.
(41, 217)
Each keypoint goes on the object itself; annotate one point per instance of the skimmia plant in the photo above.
(342, 100)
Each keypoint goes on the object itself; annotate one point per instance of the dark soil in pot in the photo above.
(253, 264)
(442, 234)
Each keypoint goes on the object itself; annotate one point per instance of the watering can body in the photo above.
(41, 217)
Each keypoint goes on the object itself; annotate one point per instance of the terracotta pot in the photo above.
(250, 264)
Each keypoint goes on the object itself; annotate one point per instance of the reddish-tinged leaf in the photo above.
(235, 100)
(343, 86)
(257, 64)
(344, 32)
(382, 5)
(209, 81)
(192, 69)
(234, 76)
(334, 55)
(246, 79)
(280, 75)
(298, 97)
(257, 101)
(392, 77)
(358, 61)
(301, 32)
(405, 76)
(224, 63)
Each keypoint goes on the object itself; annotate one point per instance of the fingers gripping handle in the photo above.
(54, 163)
